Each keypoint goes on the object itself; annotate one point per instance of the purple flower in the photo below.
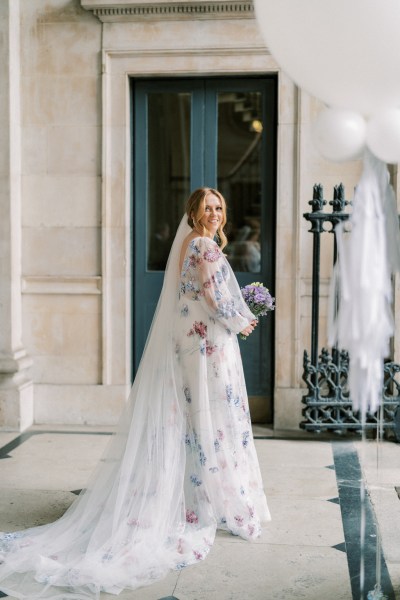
(258, 299)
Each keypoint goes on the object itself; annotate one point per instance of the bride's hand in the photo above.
(249, 329)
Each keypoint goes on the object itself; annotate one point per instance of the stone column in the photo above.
(16, 389)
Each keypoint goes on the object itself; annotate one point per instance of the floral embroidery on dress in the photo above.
(239, 520)
(107, 556)
(195, 480)
(191, 517)
(215, 367)
(212, 254)
(230, 395)
(8, 537)
(217, 277)
(245, 438)
(226, 309)
(194, 260)
(199, 328)
(194, 247)
(184, 310)
(229, 392)
(210, 348)
(193, 286)
(6, 540)
(188, 397)
(191, 439)
(202, 456)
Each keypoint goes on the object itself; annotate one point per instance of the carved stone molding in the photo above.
(135, 10)
(61, 285)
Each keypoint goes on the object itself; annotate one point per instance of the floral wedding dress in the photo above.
(182, 463)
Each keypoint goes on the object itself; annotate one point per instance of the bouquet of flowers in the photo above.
(258, 299)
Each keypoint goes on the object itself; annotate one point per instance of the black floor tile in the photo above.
(334, 500)
(341, 547)
(349, 479)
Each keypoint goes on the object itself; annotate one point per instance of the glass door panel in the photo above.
(245, 167)
(206, 132)
(239, 175)
(162, 169)
(168, 157)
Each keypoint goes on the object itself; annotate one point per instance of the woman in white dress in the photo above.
(182, 462)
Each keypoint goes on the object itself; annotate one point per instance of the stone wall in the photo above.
(71, 264)
(16, 391)
(61, 206)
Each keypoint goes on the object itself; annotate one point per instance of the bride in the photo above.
(182, 463)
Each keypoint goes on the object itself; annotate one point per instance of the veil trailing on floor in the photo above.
(128, 528)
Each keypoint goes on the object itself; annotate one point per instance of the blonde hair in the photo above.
(196, 206)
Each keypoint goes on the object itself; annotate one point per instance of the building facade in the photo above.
(74, 74)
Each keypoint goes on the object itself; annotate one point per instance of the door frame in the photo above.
(118, 66)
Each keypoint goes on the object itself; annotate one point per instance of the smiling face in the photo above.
(206, 210)
(213, 214)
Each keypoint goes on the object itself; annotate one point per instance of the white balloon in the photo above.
(345, 53)
(339, 134)
(383, 135)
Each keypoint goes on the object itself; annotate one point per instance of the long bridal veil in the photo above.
(128, 528)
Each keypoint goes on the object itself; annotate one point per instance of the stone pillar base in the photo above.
(288, 406)
(16, 393)
(16, 407)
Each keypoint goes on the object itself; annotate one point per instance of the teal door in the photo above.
(221, 133)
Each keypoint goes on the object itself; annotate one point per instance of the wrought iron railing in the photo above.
(328, 405)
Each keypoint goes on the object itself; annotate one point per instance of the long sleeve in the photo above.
(219, 291)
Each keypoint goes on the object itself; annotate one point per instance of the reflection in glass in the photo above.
(169, 171)
(239, 175)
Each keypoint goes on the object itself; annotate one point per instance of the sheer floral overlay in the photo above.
(222, 467)
(181, 464)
